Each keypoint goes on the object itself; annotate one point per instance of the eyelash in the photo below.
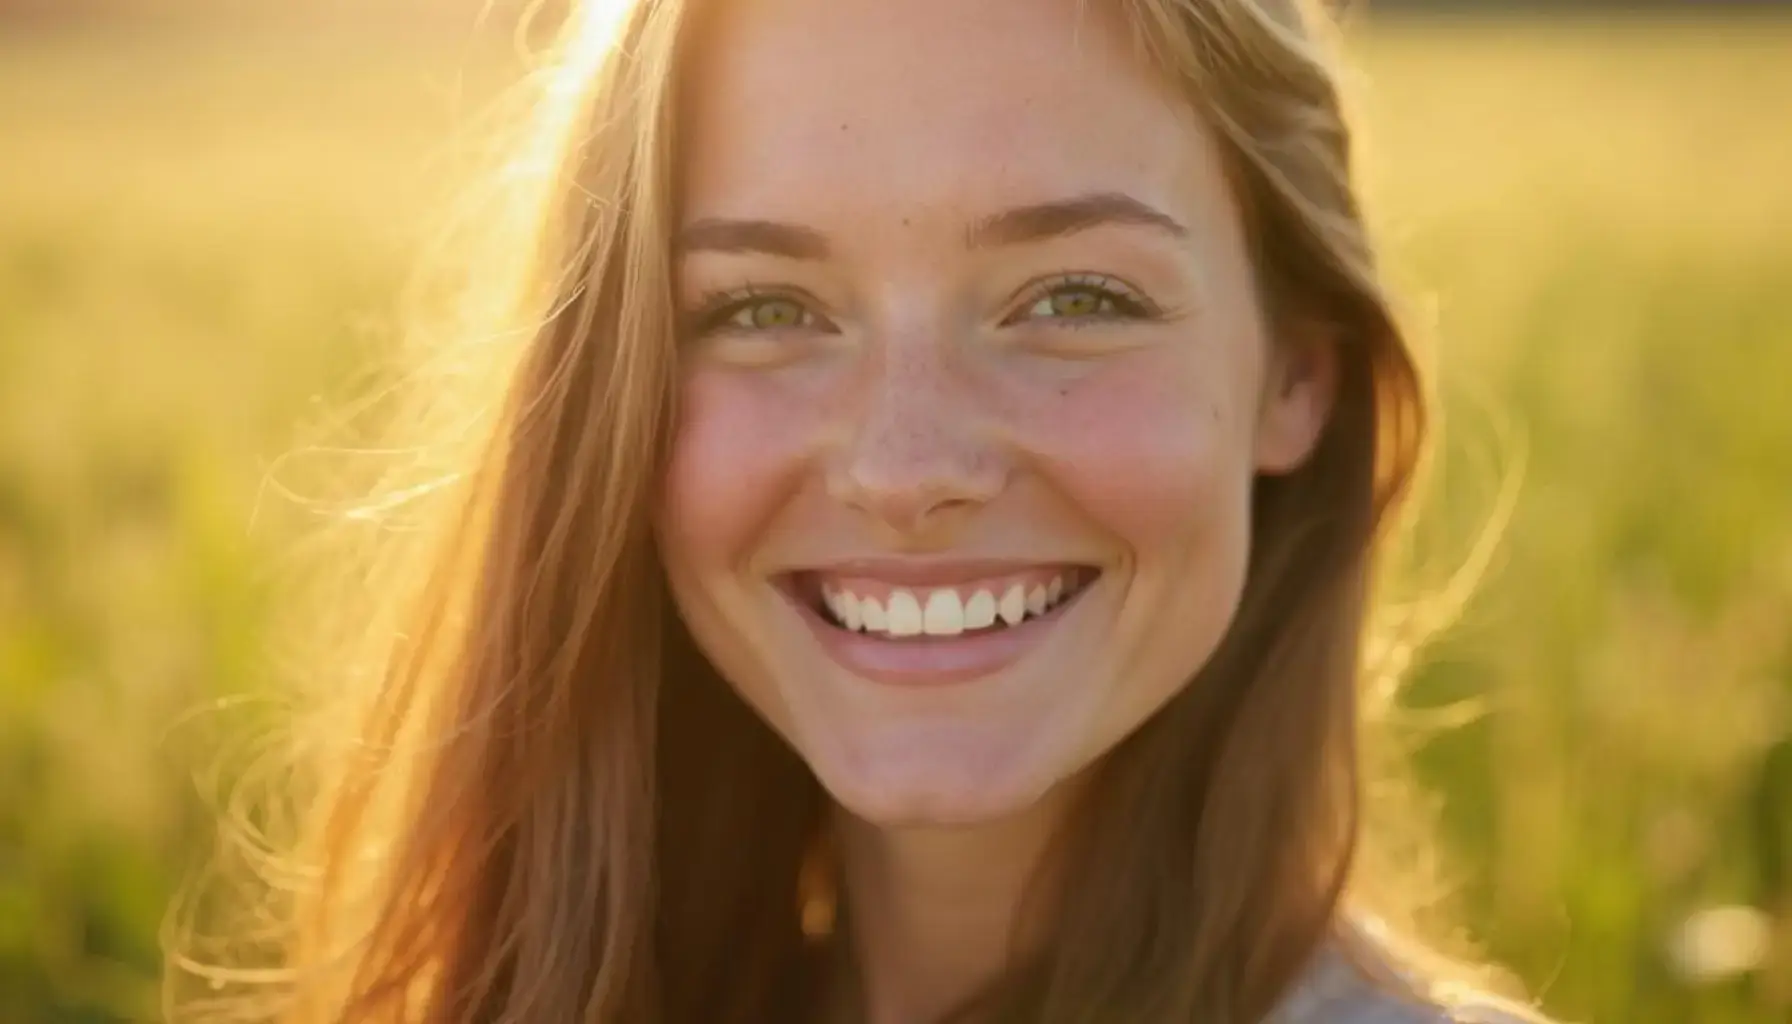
(1127, 304)
(714, 311)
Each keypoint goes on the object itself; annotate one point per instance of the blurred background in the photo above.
(209, 208)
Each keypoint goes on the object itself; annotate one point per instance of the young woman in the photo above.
(916, 565)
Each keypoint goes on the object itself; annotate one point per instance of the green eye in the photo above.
(769, 314)
(1073, 302)
(1084, 300)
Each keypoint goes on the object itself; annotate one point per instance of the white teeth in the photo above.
(872, 615)
(980, 611)
(904, 614)
(943, 612)
(849, 611)
(1014, 605)
(944, 615)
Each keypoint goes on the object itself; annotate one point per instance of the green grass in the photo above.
(200, 246)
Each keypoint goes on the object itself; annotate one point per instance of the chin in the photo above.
(944, 776)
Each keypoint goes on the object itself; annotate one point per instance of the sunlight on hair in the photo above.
(590, 39)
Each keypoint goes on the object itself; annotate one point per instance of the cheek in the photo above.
(736, 450)
(1157, 453)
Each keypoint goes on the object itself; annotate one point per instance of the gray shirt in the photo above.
(1338, 990)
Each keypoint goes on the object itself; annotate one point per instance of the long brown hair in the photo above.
(546, 806)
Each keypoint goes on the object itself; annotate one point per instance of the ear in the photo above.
(1299, 388)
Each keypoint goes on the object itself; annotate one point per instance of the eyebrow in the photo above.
(1042, 221)
(714, 234)
(1036, 222)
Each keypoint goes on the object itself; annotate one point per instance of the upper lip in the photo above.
(933, 572)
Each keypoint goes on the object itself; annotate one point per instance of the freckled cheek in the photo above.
(1152, 457)
(737, 451)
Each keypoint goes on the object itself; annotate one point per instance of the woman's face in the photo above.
(974, 390)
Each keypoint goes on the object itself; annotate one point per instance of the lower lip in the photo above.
(921, 661)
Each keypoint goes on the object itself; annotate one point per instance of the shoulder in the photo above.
(1386, 1009)
(1343, 986)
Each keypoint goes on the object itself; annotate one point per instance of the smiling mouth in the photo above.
(993, 605)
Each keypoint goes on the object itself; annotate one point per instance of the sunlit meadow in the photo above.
(202, 244)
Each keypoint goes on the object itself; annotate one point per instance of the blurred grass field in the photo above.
(201, 243)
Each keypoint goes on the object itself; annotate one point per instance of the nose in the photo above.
(920, 455)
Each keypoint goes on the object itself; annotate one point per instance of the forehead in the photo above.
(818, 107)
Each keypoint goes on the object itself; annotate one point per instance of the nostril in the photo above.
(914, 490)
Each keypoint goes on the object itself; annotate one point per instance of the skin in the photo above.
(900, 394)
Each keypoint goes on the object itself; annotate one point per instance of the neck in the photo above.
(936, 913)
